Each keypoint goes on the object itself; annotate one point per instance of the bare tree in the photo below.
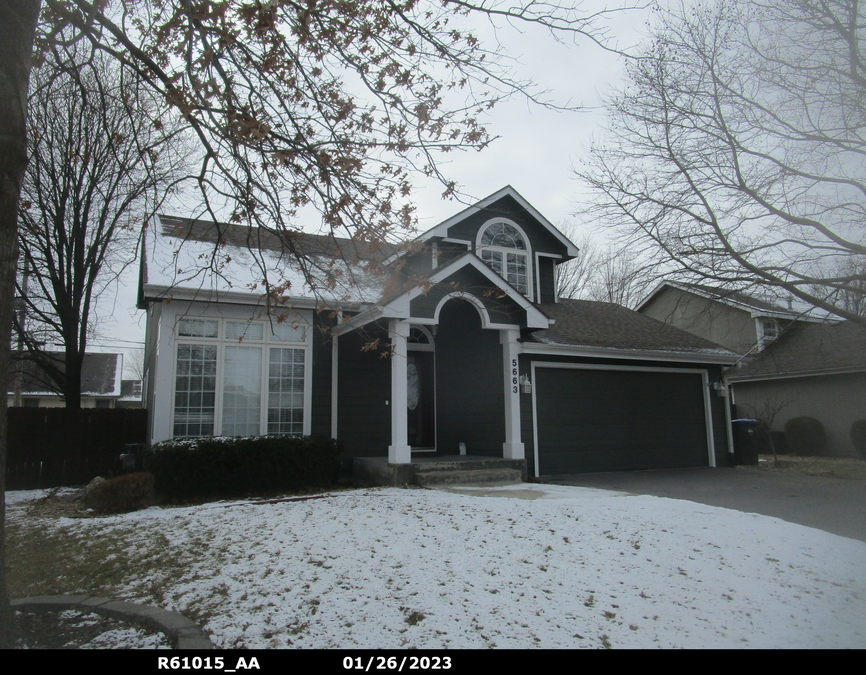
(619, 277)
(603, 274)
(102, 158)
(329, 105)
(765, 412)
(852, 295)
(736, 149)
(573, 277)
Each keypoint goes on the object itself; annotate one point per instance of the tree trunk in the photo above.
(17, 30)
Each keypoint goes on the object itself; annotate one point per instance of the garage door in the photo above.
(607, 420)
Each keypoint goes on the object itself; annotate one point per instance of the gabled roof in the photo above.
(604, 326)
(195, 259)
(396, 304)
(100, 375)
(806, 350)
(441, 230)
(755, 306)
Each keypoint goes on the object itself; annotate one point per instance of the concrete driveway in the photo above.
(837, 505)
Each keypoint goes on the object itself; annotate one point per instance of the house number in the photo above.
(514, 378)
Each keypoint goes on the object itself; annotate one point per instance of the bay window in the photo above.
(240, 378)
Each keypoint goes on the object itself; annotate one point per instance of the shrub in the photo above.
(805, 436)
(858, 436)
(130, 492)
(224, 467)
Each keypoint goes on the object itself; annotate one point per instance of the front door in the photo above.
(421, 400)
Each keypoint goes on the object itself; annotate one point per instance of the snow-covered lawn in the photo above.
(559, 567)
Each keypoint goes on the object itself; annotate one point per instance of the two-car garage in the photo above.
(593, 417)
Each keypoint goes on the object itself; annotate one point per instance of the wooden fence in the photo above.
(50, 447)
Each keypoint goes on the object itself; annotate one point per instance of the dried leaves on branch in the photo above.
(324, 106)
(736, 149)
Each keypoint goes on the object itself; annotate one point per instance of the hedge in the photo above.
(226, 467)
(805, 436)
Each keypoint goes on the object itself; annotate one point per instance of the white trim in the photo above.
(335, 379)
(220, 343)
(734, 379)
(513, 447)
(628, 354)
(754, 312)
(399, 307)
(154, 293)
(475, 302)
(464, 242)
(526, 253)
(708, 417)
(540, 254)
(729, 428)
(442, 228)
(399, 452)
(429, 348)
(434, 255)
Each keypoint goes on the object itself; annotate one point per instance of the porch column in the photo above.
(513, 447)
(399, 451)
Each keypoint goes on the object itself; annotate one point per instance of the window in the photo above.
(240, 378)
(503, 248)
(768, 331)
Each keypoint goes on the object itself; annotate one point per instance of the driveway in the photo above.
(836, 505)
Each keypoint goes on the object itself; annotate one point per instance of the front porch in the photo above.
(439, 470)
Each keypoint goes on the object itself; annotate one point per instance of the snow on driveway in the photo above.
(559, 567)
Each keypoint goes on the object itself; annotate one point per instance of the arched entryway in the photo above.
(468, 382)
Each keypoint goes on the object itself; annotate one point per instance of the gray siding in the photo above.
(363, 413)
(469, 383)
(320, 422)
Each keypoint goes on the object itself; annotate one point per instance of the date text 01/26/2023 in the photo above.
(397, 663)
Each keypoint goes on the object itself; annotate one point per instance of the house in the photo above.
(130, 394)
(100, 382)
(812, 369)
(796, 361)
(736, 320)
(455, 344)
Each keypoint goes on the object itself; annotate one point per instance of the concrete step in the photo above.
(502, 476)
(462, 464)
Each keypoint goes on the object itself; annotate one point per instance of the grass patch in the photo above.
(834, 467)
(44, 559)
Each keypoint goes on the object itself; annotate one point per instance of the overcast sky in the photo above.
(535, 150)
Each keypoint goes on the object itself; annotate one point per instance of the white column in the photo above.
(512, 448)
(399, 451)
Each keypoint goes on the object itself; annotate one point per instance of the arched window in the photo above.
(504, 249)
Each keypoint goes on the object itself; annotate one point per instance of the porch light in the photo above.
(525, 384)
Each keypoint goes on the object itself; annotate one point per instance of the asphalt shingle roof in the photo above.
(809, 348)
(100, 375)
(586, 323)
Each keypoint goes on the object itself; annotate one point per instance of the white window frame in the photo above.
(526, 253)
(765, 338)
(221, 342)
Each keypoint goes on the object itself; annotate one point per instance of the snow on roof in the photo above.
(215, 259)
(100, 375)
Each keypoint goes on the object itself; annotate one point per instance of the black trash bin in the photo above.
(750, 440)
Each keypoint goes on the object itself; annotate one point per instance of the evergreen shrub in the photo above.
(231, 467)
(805, 436)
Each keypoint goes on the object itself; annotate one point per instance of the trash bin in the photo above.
(750, 440)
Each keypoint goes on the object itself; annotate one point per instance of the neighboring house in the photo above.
(815, 370)
(100, 382)
(130, 394)
(455, 343)
(795, 363)
(736, 320)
